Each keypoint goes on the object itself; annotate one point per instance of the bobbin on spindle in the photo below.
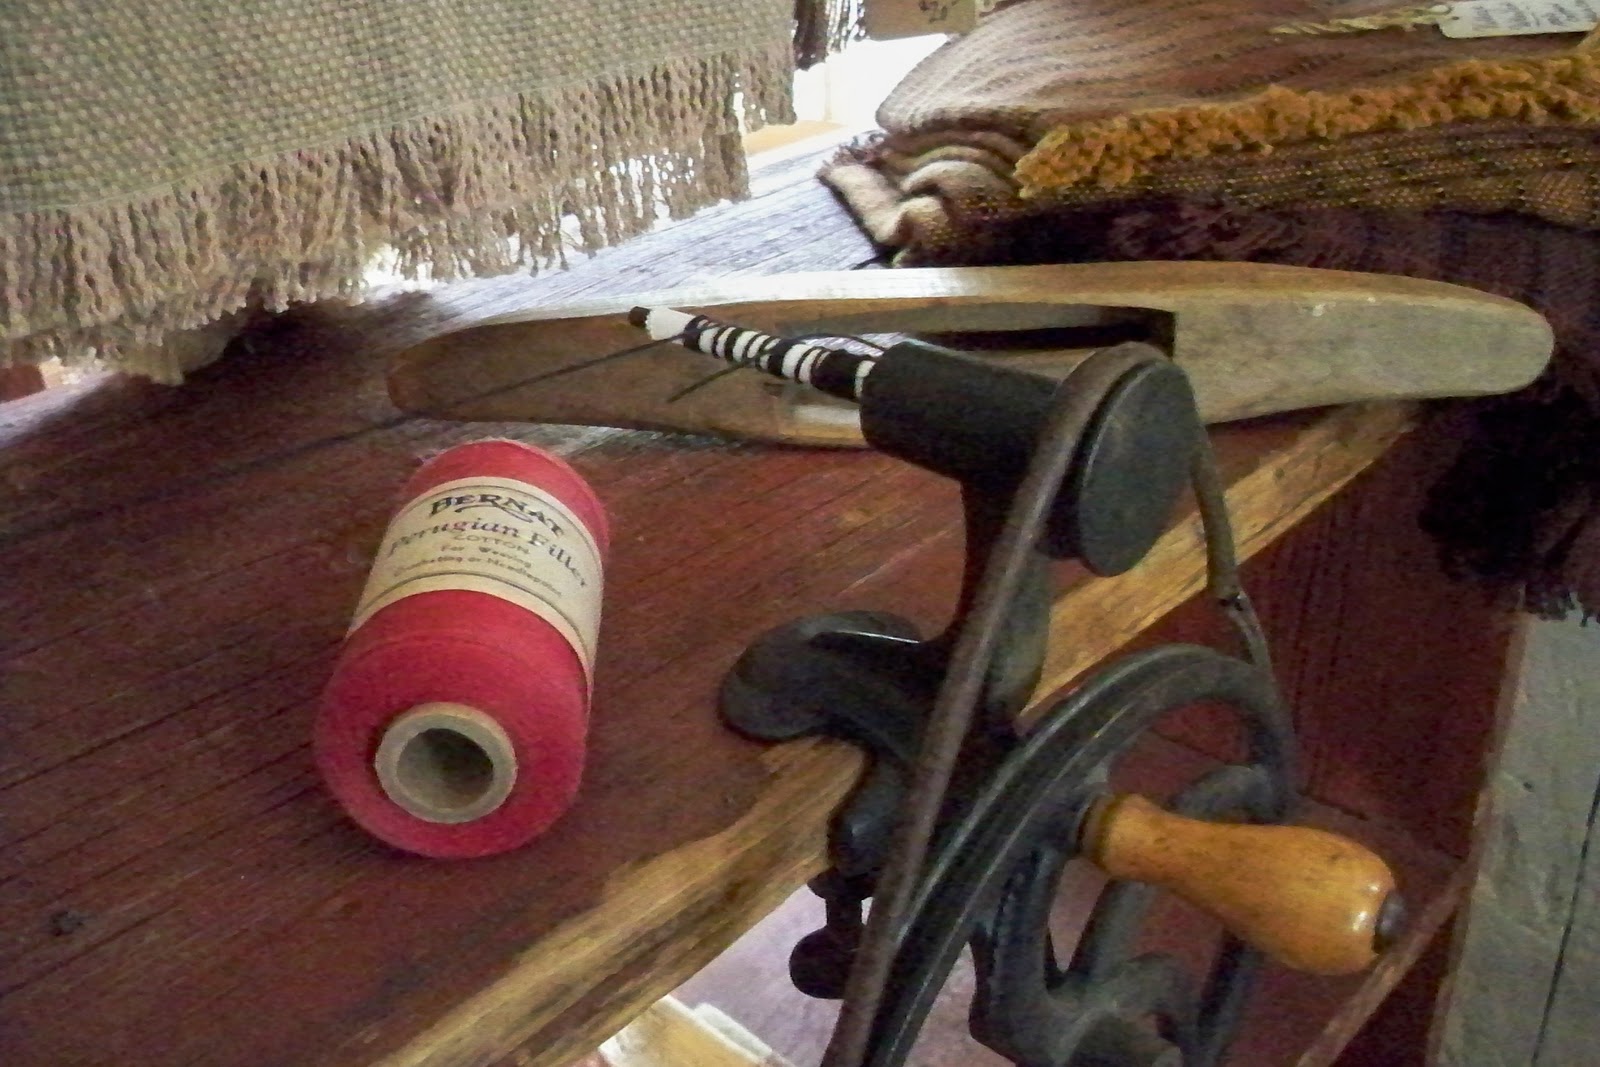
(966, 816)
(980, 422)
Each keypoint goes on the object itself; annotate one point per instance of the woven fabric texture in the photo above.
(1085, 130)
(1088, 102)
(165, 162)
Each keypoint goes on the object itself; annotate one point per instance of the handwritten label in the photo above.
(888, 19)
(497, 536)
(1509, 18)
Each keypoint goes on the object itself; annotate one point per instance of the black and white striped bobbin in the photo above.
(835, 371)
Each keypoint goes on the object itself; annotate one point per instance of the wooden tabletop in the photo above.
(179, 566)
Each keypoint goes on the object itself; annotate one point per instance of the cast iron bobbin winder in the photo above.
(966, 816)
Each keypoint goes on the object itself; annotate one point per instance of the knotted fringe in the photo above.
(1113, 152)
(823, 27)
(480, 190)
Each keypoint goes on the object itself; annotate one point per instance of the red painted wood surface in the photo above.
(20, 381)
(178, 567)
(1393, 670)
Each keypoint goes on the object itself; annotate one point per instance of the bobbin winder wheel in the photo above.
(1088, 470)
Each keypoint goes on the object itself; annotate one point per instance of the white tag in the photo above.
(1508, 18)
(497, 536)
(888, 19)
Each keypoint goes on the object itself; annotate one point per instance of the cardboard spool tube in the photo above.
(454, 722)
(446, 763)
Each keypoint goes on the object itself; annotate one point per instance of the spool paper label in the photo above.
(885, 20)
(1508, 18)
(497, 536)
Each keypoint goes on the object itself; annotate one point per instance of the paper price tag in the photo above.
(888, 19)
(1509, 18)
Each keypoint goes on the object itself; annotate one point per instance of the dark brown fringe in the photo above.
(1519, 512)
(823, 27)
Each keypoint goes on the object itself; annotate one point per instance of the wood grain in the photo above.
(1533, 912)
(224, 685)
(157, 761)
(1306, 898)
(1255, 339)
(179, 567)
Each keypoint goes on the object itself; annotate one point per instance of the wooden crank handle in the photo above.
(1311, 900)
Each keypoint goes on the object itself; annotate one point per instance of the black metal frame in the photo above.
(963, 823)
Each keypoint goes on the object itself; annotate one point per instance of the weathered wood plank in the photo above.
(1569, 1024)
(225, 775)
(1523, 991)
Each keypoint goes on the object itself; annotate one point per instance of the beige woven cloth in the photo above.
(1055, 105)
(165, 162)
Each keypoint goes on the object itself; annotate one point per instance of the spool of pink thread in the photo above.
(454, 723)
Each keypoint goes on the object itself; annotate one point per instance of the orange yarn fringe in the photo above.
(1561, 90)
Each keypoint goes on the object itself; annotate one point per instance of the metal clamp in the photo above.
(962, 823)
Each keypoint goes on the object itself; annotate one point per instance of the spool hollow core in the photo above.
(446, 763)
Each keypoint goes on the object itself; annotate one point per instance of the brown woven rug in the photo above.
(1084, 130)
(1055, 103)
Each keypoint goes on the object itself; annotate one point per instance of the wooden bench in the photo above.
(179, 566)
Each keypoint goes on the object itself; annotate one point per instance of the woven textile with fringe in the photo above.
(1084, 130)
(166, 162)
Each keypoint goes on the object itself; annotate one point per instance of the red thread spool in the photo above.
(454, 723)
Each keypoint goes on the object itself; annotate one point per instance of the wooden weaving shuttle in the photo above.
(1254, 338)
